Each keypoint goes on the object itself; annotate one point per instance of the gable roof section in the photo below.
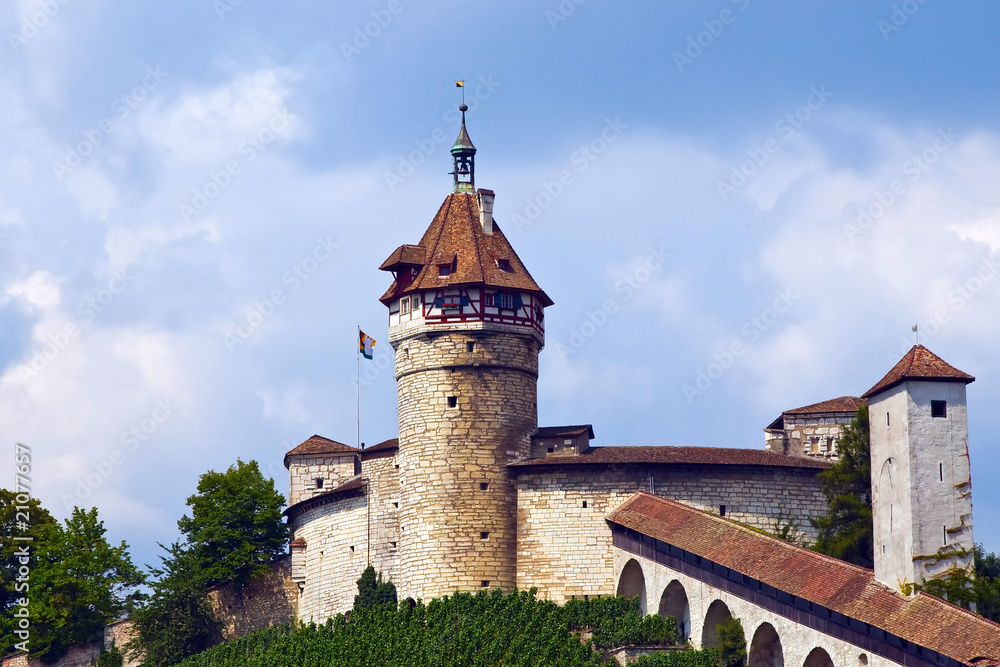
(563, 431)
(676, 455)
(842, 404)
(919, 364)
(456, 235)
(844, 588)
(386, 447)
(318, 445)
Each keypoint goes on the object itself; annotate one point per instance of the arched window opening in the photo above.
(633, 583)
(765, 649)
(820, 658)
(674, 602)
(717, 613)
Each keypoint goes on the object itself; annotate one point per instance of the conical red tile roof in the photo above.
(919, 364)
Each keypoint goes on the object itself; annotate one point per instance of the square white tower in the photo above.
(921, 479)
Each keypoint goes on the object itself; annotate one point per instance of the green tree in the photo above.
(732, 643)
(79, 584)
(372, 590)
(17, 520)
(178, 620)
(235, 528)
(845, 532)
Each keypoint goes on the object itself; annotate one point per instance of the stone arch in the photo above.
(765, 649)
(818, 657)
(718, 612)
(674, 602)
(632, 583)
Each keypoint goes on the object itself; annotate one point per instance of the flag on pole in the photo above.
(460, 84)
(367, 343)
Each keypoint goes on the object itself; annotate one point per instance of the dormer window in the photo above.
(444, 270)
(504, 265)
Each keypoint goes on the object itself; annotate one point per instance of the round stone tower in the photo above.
(466, 322)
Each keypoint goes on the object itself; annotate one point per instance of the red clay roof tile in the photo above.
(676, 455)
(848, 589)
(919, 364)
(317, 444)
(842, 404)
(455, 235)
(563, 431)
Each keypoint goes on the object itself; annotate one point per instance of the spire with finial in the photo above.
(463, 153)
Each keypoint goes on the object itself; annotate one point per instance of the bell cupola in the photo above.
(463, 154)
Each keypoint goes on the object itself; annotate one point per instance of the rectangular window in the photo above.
(944, 531)
(484, 535)
(404, 305)
(319, 482)
(887, 419)
(484, 584)
(470, 346)
(415, 299)
(939, 409)
(504, 265)
(452, 401)
(722, 510)
(941, 471)
(392, 545)
(484, 486)
(551, 450)
(444, 270)
(584, 503)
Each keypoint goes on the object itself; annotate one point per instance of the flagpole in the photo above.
(357, 353)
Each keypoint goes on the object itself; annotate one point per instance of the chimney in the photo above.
(486, 209)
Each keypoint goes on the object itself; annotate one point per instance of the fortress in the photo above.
(474, 494)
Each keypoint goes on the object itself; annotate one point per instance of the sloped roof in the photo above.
(563, 431)
(919, 364)
(842, 404)
(847, 589)
(676, 455)
(384, 446)
(456, 235)
(355, 485)
(413, 255)
(317, 444)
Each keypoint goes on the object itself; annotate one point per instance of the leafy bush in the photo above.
(109, 658)
(372, 590)
(706, 658)
(732, 643)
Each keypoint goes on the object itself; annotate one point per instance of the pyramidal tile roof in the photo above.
(317, 444)
(923, 619)
(919, 364)
(455, 237)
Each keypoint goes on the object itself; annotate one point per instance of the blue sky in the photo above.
(187, 291)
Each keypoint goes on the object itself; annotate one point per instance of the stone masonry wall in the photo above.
(382, 474)
(813, 435)
(564, 549)
(457, 503)
(303, 471)
(336, 554)
(268, 600)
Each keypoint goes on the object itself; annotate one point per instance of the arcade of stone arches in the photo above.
(772, 640)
